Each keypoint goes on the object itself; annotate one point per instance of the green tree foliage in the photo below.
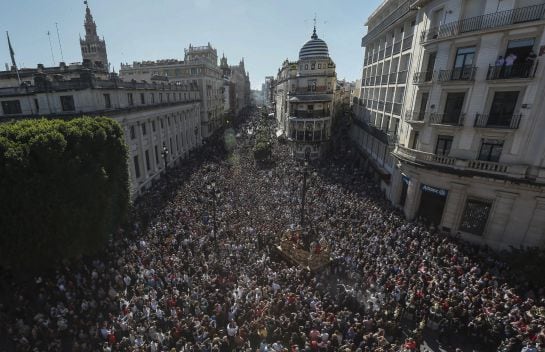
(63, 188)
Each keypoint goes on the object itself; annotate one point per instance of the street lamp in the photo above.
(164, 153)
(215, 194)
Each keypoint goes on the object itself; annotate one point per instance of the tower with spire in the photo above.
(93, 49)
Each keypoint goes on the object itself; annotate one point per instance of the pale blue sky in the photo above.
(264, 32)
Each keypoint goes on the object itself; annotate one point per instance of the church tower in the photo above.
(93, 49)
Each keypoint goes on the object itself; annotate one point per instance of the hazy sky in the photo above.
(264, 32)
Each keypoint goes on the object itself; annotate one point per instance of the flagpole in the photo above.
(59, 39)
(12, 54)
(51, 47)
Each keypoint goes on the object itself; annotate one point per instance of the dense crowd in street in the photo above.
(195, 272)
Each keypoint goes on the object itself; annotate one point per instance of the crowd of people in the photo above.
(195, 271)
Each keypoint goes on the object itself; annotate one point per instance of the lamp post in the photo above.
(164, 153)
(215, 195)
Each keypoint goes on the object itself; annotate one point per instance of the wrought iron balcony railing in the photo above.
(524, 70)
(448, 118)
(415, 116)
(457, 74)
(484, 22)
(423, 77)
(497, 121)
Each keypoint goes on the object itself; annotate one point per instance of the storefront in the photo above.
(432, 204)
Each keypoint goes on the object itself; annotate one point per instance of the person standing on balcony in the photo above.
(499, 66)
(529, 63)
(509, 62)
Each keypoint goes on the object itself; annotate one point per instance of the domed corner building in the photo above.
(304, 99)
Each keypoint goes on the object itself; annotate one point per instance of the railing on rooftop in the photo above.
(484, 22)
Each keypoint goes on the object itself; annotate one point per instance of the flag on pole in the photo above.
(11, 52)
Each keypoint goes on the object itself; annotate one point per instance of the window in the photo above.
(36, 105)
(107, 101)
(67, 103)
(168, 120)
(443, 145)
(142, 99)
(11, 107)
(156, 155)
(148, 165)
(313, 66)
(160, 97)
(503, 108)
(463, 64)
(306, 66)
(152, 95)
(162, 124)
(311, 86)
(136, 167)
(143, 127)
(414, 144)
(453, 107)
(475, 216)
(319, 66)
(153, 125)
(520, 48)
(130, 98)
(133, 134)
(490, 150)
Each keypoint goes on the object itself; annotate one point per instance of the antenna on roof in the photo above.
(59, 39)
(51, 47)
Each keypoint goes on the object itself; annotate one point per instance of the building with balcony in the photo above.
(200, 67)
(470, 158)
(161, 121)
(303, 99)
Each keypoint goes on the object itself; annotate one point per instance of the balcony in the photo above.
(449, 119)
(485, 22)
(457, 74)
(460, 165)
(525, 70)
(407, 43)
(497, 121)
(397, 48)
(311, 90)
(415, 116)
(423, 77)
(305, 114)
(402, 77)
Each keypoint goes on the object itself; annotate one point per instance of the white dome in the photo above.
(314, 48)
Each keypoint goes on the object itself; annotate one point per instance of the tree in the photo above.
(64, 188)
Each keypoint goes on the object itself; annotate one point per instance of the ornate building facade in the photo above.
(161, 121)
(93, 49)
(200, 67)
(303, 99)
(466, 150)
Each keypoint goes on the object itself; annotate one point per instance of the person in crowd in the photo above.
(166, 282)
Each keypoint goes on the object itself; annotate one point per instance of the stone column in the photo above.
(454, 205)
(413, 197)
(501, 215)
(535, 235)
